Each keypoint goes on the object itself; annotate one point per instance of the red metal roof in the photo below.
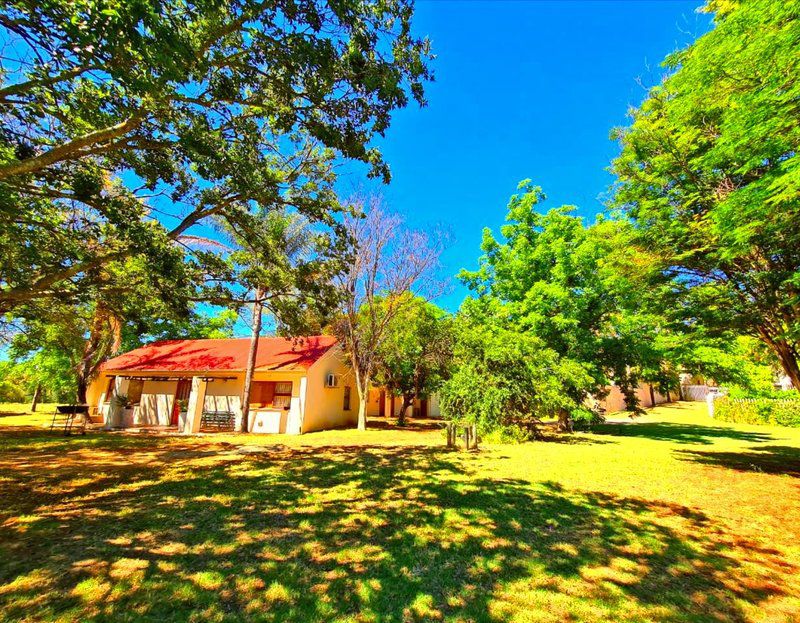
(230, 355)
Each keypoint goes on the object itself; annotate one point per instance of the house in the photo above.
(299, 386)
(381, 403)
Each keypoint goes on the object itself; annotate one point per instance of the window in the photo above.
(283, 395)
(261, 394)
(135, 391)
(346, 397)
(271, 394)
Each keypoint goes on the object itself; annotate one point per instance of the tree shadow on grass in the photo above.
(412, 424)
(679, 433)
(767, 459)
(360, 533)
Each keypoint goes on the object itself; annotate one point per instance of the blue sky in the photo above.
(522, 90)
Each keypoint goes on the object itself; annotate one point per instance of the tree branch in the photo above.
(65, 151)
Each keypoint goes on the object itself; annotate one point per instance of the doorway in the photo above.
(182, 392)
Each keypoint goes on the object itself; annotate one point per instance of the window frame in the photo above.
(277, 394)
(131, 402)
(282, 394)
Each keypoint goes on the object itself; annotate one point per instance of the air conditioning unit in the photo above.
(331, 380)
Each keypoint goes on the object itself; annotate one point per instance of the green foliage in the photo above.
(709, 174)
(563, 310)
(11, 386)
(783, 411)
(553, 286)
(753, 370)
(287, 265)
(506, 381)
(49, 369)
(123, 126)
(415, 357)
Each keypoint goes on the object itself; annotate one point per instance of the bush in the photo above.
(584, 419)
(776, 411)
(11, 391)
(769, 392)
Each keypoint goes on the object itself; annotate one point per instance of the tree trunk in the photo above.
(652, 396)
(788, 358)
(408, 401)
(251, 360)
(105, 335)
(80, 395)
(362, 387)
(37, 394)
(565, 421)
(362, 412)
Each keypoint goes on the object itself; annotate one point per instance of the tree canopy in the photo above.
(415, 358)
(548, 278)
(124, 125)
(561, 311)
(709, 174)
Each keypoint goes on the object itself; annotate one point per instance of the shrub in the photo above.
(584, 419)
(11, 391)
(769, 392)
(777, 411)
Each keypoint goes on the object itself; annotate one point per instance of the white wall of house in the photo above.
(696, 393)
(224, 395)
(324, 406)
(155, 407)
(433, 406)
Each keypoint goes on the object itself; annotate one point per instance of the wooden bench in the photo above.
(218, 420)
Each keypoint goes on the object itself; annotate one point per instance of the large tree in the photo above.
(578, 300)
(709, 174)
(284, 268)
(505, 381)
(388, 262)
(124, 125)
(546, 276)
(414, 359)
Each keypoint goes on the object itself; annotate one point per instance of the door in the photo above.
(382, 405)
(181, 394)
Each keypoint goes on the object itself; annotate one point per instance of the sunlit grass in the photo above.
(19, 414)
(671, 518)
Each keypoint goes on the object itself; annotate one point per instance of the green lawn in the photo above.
(672, 518)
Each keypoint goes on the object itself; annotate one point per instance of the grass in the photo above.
(18, 414)
(671, 518)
